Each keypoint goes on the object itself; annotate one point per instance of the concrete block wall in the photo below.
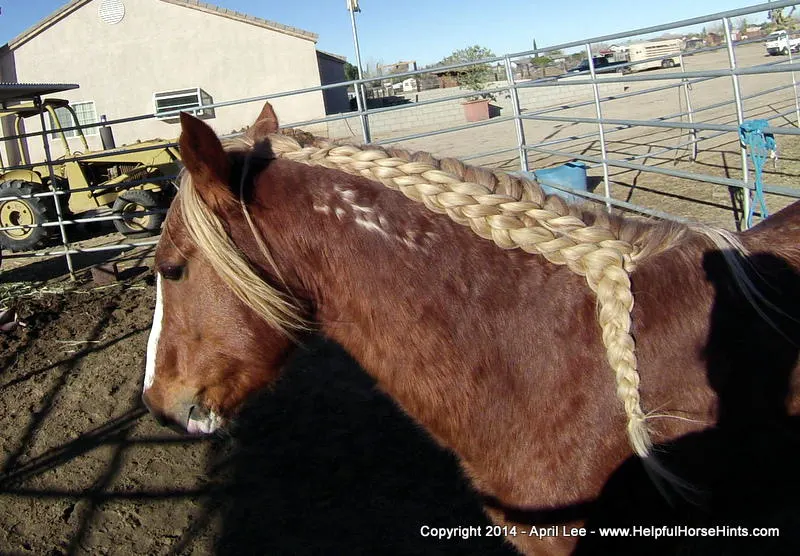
(413, 118)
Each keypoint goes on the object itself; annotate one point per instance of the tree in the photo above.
(780, 21)
(541, 61)
(373, 67)
(717, 29)
(742, 25)
(350, 72)
(475, 76)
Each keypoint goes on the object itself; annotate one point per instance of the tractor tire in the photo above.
(785, 52)
(138, 225)
(668, 63)
(24, 212)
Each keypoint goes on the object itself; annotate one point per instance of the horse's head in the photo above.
(220, 329)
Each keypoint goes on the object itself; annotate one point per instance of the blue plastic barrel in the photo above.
(571, 174)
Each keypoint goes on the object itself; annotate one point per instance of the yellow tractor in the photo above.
(127, 184)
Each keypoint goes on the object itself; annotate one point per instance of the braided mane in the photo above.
(515, 213)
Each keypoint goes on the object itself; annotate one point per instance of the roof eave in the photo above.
(244, 18)
(66, 10)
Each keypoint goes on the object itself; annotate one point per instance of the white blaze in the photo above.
(155, 333)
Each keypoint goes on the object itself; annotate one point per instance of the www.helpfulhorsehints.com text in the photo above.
(654, 532)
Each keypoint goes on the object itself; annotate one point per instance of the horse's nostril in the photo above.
(198, 413)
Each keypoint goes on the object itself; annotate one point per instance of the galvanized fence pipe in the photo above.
(612, 78)
(601, 132)
(658, 123)
(85, 220)
(78, 251)
(493, 121)
(667, 128)
(686, 88)
(737, 95)
(530, 115)
(707, 178)
(56, 198)
(492, 153)
(512, 90)
(794, 90)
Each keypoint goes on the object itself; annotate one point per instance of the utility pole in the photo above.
(361, 99)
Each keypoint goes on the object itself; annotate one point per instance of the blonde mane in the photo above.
(208, 233)
(509, 210)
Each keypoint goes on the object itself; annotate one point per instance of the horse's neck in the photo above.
(470, 339)
(421, 302)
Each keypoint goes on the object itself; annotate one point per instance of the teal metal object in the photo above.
(571, 175)
(762, 147)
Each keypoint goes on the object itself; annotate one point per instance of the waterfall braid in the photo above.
(514, 212)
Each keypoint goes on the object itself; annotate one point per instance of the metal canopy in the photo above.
(29, 108)
(29, 91)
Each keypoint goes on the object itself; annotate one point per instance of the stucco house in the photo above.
(137, 57)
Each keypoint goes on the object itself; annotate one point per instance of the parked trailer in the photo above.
(660, 54)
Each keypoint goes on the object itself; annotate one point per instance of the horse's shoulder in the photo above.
(782, 229)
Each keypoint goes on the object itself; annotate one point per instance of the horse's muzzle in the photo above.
(177, 419)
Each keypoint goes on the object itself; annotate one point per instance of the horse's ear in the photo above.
(206, 161)
(265, 124)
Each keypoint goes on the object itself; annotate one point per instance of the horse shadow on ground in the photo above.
(326, 464)
(742, 473)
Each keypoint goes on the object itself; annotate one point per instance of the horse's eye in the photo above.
(171, 271)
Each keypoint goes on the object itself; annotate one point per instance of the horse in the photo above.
(495, 352)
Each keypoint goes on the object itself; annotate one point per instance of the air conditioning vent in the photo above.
(185, 100)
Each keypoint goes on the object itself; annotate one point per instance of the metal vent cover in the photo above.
(111, 11)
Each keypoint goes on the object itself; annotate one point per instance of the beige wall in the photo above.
(416, 118)
(161, 47)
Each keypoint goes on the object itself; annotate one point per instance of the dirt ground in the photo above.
(322, 465)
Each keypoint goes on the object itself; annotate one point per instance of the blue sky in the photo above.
(429, 30)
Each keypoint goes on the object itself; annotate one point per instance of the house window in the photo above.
(184, 100)
(86, 113)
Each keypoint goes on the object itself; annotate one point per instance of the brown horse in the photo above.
(497, 353)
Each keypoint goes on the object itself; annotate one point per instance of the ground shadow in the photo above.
(325, 464)
(380, 102)
(593, 182)
(741, 473)
(55, 267)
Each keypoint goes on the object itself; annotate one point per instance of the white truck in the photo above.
(779, 43)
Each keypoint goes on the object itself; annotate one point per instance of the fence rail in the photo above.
(539, 110)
